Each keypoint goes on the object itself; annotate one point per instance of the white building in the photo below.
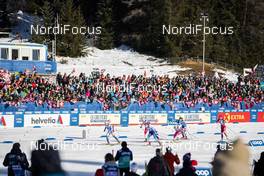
(23, 51)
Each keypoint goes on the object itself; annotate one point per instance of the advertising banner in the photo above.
(231, 117)
(19, 120)
(203, 171)
(7, 121)
(260, 117)
(256, 143)
(46, 120)
(99, 119)
(194, 117)
(157, 118)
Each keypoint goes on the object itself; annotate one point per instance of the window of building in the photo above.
(24, 58)
(4, 53)
(35, 54)
(14, 54)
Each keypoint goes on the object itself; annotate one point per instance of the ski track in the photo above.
(91, 156)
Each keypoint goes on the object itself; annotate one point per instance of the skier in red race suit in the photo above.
(221, 120)
(146, 125)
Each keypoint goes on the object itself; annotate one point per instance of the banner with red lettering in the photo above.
(231, 117)
(260, 117)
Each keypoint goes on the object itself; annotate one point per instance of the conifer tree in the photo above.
(155, 41)
(47, 21)
(104, 16)
(71, 42)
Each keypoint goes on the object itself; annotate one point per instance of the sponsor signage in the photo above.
(99, 119)
(260, 117)
(19, 120)
(256, 143)
(74, 120)
(235, 116)
(157, 118)
(194, 117)
(7, 121)
(46, 120)
(203, 172)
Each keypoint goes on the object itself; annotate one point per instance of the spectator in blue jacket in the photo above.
(124, 156)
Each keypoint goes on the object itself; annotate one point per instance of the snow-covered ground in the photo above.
(118, 62)
(84, 156)
(124, 61)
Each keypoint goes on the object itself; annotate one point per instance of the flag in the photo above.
(247, 71)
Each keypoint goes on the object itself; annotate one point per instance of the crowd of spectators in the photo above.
(117, 93)
(45, 160)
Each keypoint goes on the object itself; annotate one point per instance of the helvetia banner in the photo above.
(46, 120)
(99, 119)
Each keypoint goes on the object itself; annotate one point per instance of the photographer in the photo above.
(16, 161)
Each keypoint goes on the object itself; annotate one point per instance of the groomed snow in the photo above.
(84, 156)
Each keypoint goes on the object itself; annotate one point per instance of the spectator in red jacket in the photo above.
(99, 172)
(170, 158)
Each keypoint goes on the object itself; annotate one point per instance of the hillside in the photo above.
(124, 61)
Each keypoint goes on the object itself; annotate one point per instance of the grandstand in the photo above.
(31, 92)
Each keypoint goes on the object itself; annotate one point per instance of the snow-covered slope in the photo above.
(120, 61)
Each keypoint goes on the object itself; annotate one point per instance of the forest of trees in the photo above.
(138, 24)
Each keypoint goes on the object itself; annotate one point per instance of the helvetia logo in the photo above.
(2, 122)
(59, 121)
(49, 120)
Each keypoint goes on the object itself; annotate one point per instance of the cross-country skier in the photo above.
(177, 129)
(222, 122)
(180, 128)
(109, 129)
(183, 128)
(146, 125)
(153, 132)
